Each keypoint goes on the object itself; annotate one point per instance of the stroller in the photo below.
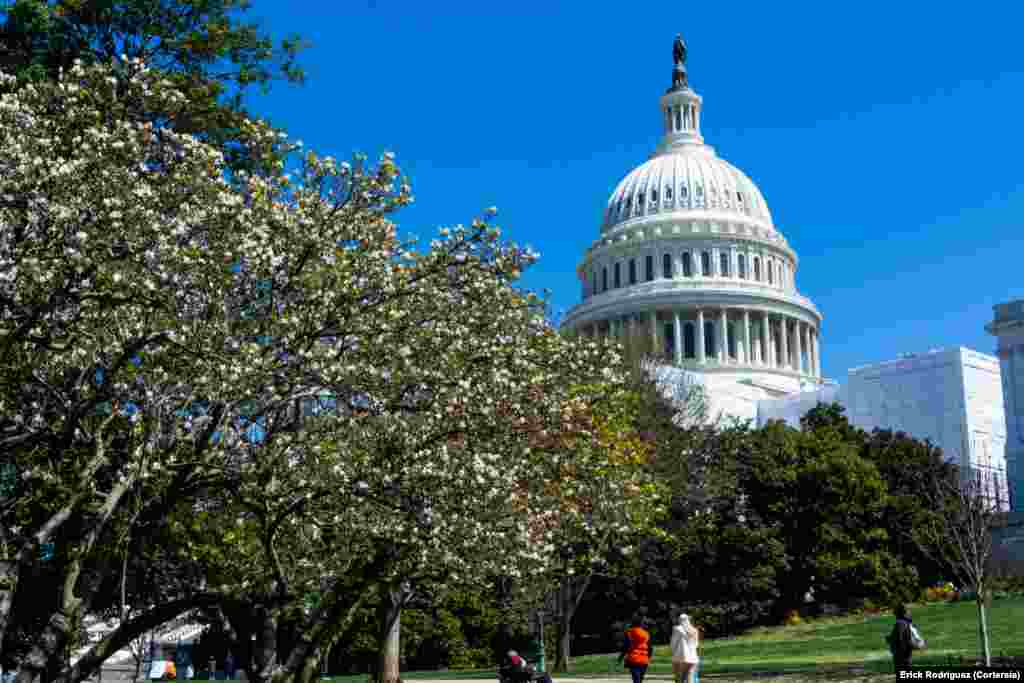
(509, 673)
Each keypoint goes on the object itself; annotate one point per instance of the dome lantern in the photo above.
(680, 106)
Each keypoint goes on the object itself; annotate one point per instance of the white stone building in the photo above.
(952, 397)
(1008, 326)
(688, 253)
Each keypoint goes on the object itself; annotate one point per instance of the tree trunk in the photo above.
(570, 593)
(983, 626)
(393, 600)
(9, 574)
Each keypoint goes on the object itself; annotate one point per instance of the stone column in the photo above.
(785, 341)
(723, 337)
(816, 345)
(701, 353)
(654, 332)
(695, 262)
(747, 346)
(765, 349)
(716, 270)
(677, 264)
(677, 343)
(799, 329)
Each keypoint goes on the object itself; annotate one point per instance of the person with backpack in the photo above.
(685, 640)
(903, 639)
(637, 649)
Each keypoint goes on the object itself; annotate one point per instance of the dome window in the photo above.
(649, 263)
(757, 269)
(705, 264)
(632, 271)
(683, 191)
(723, 261)
(741, 266)
(770, 269)
(666, 266)
(654, 196)
(604, 279)
(687, 266)
(629, 204)
(668, 194)
(618, 275)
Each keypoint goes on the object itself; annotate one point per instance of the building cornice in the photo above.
(693, 292)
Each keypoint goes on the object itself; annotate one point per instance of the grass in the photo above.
(827, 644)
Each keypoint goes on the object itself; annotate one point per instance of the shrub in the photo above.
(793, 618)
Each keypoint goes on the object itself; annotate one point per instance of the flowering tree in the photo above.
(363, 411)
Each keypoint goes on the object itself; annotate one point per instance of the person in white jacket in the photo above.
(685, 639)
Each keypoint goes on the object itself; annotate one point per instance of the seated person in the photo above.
(518, 669)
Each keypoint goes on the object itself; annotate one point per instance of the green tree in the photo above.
(206, 47)
(825, 505)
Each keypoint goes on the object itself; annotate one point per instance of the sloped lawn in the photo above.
(826, 645)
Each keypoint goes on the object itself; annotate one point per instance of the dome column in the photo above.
(701, 351)
(723, 337)
(799, 347)
(677, 338)
(817, 357)
(765, 346)
(785, 341)
(747, 346)
(654, 332)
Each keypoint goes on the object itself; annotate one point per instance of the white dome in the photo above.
(682, 182)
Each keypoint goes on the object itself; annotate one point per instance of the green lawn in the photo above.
(826, 644)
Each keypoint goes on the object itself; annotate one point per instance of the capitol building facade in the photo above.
(689, 254)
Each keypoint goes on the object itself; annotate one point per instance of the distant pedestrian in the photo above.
(229, 666)
(685, 641)
(903, 639)
(637, 649)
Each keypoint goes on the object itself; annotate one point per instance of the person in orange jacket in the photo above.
(637, 649)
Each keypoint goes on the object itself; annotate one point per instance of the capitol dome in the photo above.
(689, 257)
(682, 182)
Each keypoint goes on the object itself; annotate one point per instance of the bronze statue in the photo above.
(679, 51)
(679, 70)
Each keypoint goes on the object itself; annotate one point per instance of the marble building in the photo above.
(689, 254)
(952, 397)
(1008, 327)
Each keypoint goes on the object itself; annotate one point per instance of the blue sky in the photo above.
(885, 136)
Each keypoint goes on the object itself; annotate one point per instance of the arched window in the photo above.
(618, 275)
(632, 271)
(705, 264)
(771, 267)
(723, 259)
(689, 341)
(741, 266)
(604, 279)
(639, 203)
(666, 266)
(733, 350)
(757, 269)
(649, 262)
(668, 193)
(683, 191)
(654, 196)
(687, 266)
(679, 118)
(629, 204)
